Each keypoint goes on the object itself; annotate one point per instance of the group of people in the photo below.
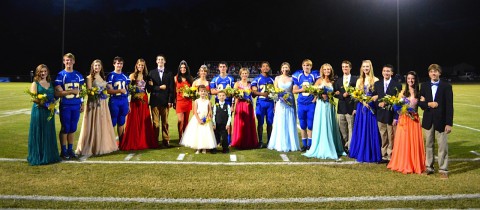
(367, 131)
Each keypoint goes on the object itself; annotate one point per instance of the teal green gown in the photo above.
(42, 138)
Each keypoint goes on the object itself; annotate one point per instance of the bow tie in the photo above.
(160, 70)
(435, 83)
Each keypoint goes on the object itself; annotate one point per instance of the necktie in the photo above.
(386, 86)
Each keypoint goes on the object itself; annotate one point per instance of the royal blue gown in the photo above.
(284, 137)
(365, 144)
(326, 139)
(42, 138)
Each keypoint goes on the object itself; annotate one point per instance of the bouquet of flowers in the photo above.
(318, 91)
(278, 94)
(40, 98)
(403, 107)
(205, 120)
(360, 96)
(189, 92)
(389, 101)
(137, 92)
(96, 93)
(43, 101)
(229, 91)
(83, 91)
(242, 94)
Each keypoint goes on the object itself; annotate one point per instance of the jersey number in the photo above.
(71, 86)
(119, 85)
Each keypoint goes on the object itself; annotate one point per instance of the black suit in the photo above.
(385, 115)
(159, 100)
(345, 105)
(443, 114)
(160, 97)
(434, 122)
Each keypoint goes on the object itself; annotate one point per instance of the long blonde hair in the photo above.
(331, 76)
(370, 77)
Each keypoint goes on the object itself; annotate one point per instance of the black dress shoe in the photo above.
(304, 149)
(383, 161)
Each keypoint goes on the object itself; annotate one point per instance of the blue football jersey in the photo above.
(220, 83)
(69, 81)
(261, 83)
(302, 80)
(118, 81)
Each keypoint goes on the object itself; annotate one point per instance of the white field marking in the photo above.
(129, 156)
(474, 152)
(220, 163)
(14, 112)
(462, 126)
(181, 156)
(284, 157)
(467, 105)
(243, 200)
(84, 158)
(233, 158)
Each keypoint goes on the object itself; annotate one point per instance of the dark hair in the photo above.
(416, 85)
(118, 59)
(390, 66)
(222, 62)
(187, 75)
(265, 62)
(347, 62)
(161, 55)
(201, 87)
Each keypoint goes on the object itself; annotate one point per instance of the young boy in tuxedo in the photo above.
(221, 120)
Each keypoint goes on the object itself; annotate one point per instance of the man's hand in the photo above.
(123, 91)
(448, 129)
(163, 87)
(170, 105)
(82, 108)
(381, 104)
(74, 91)
(433, 104)
(395, 122)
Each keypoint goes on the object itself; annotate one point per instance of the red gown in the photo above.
(138, 133)
(244, 134)
(183, 104)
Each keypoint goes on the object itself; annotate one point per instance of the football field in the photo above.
(175, 177)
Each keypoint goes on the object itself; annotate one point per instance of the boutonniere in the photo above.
(216, 104)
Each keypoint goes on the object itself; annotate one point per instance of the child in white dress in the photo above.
(199, 133)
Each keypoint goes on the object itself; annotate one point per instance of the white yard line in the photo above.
(242, 200)
(475, 153)
(9, 113)
(220, 163)
(129, 156)
(462, 126)
(467, 105)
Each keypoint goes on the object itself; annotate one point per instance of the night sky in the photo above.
(325, 31)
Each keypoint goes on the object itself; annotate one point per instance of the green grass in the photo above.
(229, 181)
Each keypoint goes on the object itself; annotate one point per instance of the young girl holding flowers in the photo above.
(199, 133)
(42, 139)
(97, 136)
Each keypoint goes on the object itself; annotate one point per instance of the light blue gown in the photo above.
(326, 139)
(284, 136)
